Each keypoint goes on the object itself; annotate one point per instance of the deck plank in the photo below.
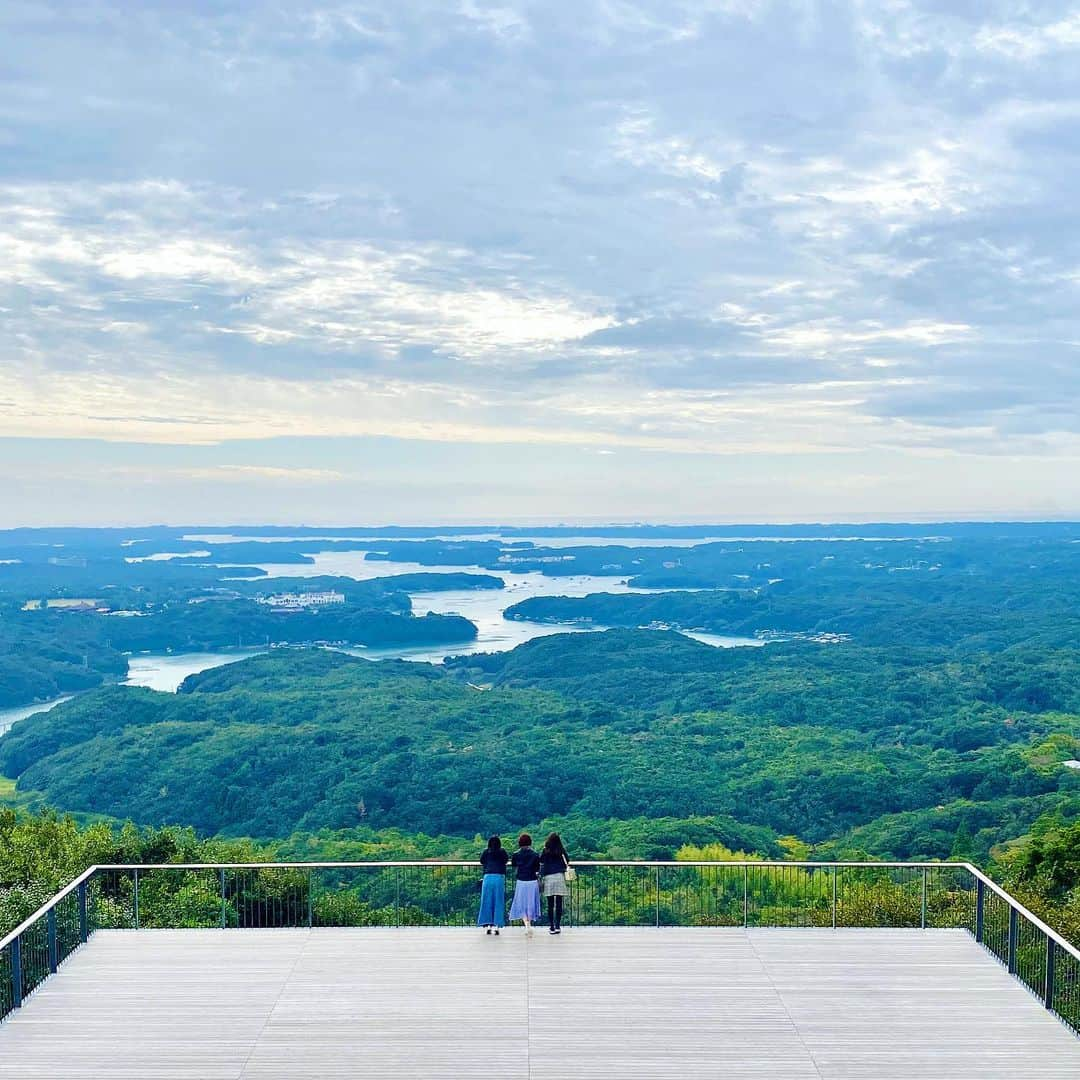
(596, 1003)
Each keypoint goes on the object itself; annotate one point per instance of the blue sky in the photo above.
(606, 260)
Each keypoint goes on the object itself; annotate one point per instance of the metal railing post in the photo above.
(223, 919)
(980, 911)
(745, 897)
(16, 973)
(922, 916)
(136, 901)
(84, 922)
(1013, 931)
(397, 897)
(50, 931)
(1051, 963)
(310, 897)
(657, 880)
(835, 872)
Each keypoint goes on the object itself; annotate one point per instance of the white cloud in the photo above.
(245, 474)
(330, 294)
(830, 335)
(636, 141)
(613, 224)
(1030, 41)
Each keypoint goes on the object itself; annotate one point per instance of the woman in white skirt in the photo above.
(554, 862)
(526, 902)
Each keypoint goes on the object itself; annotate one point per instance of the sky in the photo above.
(609, 260)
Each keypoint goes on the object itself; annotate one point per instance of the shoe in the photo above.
(496, 933)
(489, 931)
(552, 930)
(557, 930)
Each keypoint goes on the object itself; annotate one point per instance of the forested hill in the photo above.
(963, 609)
(836, 746)
(902, 694)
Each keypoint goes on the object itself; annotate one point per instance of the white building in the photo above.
(302, 600)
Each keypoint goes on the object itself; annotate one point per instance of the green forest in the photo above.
(832, 746)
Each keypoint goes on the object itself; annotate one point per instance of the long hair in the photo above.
(494, 843)
(554, 843)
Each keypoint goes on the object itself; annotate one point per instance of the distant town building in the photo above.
(518, 559)
(299, 601)
(65, 603)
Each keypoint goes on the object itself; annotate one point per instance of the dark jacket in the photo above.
(553, 862)
(526, 863)
(494, 862)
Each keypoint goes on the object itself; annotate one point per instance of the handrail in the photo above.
(474, 862)
(1057, 988)
(29, 921)
(376, 864)
(1021, 910)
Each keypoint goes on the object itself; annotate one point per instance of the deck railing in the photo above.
(657, 894)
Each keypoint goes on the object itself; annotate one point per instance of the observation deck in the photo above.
(691, 982)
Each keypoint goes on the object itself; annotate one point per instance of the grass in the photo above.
(9, 797)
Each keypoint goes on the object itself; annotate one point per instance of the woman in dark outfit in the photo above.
(526, 902)
(554, 863)
(493, 859)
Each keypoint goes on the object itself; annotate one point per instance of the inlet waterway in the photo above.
(483, 607)
(21, 712)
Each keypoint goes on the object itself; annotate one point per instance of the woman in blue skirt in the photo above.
(526, 902)
(493, 890)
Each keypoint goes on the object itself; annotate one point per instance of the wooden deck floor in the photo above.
(593, 1003)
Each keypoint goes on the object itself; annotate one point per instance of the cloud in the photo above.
(245, 474)
(678, 226)
(671, 332)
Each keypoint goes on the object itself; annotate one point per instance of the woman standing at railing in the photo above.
(493, 889)
(554, 863)
(526, 903)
